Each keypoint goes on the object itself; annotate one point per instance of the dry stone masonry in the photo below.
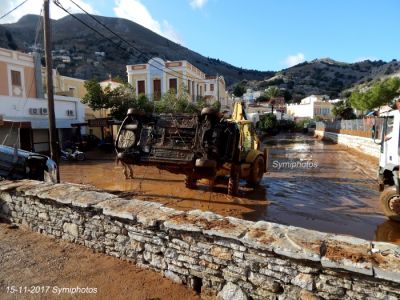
(218, 256)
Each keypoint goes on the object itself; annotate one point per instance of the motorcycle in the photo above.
(72, 154)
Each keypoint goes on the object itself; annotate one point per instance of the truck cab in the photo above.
(388, 172)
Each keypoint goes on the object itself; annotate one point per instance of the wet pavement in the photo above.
(310, 183)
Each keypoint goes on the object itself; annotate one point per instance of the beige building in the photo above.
(158, 77)
(23, 105)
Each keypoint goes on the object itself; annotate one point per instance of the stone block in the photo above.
(61, 193)
(8, 185)
(231, 291)
(71, 229)
(264, 282)
(305, 281)
(89, 198)
(228, 227)
(262, 235)
(150, 216)
(173, 276)
(120, 208)
(386, 261)
(348, 253)
(221, 253)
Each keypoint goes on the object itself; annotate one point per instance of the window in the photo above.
(212, 87)
(141, 87)
(157, 89)
(205, 88)
(71, 91)
(173, 84)
(15, 78)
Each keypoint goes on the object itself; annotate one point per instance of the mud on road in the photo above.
(29, 259)
(310, 183)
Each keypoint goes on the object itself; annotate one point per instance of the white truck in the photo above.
(388, 172)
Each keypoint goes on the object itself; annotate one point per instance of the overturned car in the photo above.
(18, 164)
(198, 145)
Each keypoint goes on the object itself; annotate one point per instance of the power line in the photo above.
(119, 36)
(56, 2)
(6, 14)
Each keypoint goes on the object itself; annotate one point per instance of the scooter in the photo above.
(72, 154)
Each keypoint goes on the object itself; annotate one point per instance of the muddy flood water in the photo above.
(310, 183)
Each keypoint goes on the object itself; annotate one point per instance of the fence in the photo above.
(357, 127)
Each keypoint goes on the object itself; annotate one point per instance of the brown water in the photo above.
(334, 192)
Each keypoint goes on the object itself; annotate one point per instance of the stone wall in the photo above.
(233, 258)
(363, 144)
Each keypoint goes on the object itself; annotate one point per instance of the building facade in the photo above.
(314, 106)
(158, 77)
(23, 105)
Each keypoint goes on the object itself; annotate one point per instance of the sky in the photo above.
(255, 34)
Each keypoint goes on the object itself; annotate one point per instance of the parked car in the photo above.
(20, 164)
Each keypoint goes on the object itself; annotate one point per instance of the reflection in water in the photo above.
(388, 231)
(338, 195)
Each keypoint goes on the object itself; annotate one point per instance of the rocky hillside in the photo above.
(73, 39)
(327, 77)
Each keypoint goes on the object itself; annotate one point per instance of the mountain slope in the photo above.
(327, 77)
(68, 34)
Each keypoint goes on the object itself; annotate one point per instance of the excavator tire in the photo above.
(190, 182)
(257, 171)
(233, 183)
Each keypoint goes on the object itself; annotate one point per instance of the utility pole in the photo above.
(53, 137)
(217, 87)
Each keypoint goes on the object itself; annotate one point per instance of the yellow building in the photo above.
(157, 77)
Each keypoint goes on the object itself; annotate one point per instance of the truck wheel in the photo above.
(210, 111)
(190, 182)
(233, 184)
(257, 171)
(390, 202)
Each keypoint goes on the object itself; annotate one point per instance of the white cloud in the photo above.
(197, 4)
(295, 59)
(35, 6)
(135, 11)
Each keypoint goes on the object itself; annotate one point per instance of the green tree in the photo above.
(268, 122)
(117, 100)
(272, 92)
(379, 94)
(96, 98)
(239, 90)
(342, 110)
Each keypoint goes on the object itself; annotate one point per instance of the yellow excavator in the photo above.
(251, 163)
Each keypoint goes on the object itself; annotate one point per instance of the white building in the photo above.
(314, 106)
(250, 96)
